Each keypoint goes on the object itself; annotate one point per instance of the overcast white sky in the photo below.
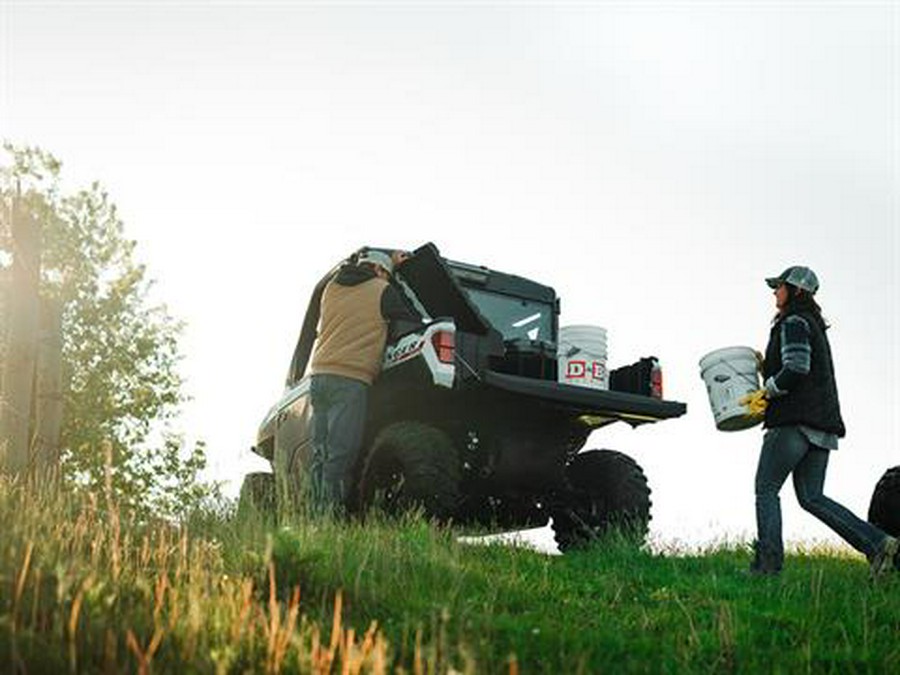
(651, 161)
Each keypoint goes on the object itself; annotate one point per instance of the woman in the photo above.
(803, 422)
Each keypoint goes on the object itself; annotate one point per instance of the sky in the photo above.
(652, 161)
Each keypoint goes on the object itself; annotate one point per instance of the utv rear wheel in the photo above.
(257, 494)
(608, 492)
(412, 465)
(884, 510)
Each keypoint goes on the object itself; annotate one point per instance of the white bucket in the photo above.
(730, 374)
(581, 356)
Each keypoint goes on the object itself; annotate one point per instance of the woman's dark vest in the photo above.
(813, 402)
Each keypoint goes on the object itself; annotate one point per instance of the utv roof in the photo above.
(474, 276)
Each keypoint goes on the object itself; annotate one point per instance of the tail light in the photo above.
(444, 342)
(656, 380)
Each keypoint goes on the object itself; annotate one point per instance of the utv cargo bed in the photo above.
(601, 406)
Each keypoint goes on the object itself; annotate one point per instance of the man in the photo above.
(357, 307)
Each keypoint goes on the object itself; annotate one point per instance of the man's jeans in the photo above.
(338, 418)
(786, 449)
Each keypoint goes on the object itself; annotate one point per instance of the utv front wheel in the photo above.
(608, 491)
(884, 510)
(412, 465)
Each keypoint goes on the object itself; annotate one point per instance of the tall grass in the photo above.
(85, 589)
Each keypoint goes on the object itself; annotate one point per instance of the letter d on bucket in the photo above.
(730, 374)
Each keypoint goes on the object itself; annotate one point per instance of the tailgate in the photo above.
(596, 407)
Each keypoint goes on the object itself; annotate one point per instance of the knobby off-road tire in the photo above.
(884, 509)
(257, 494)
(609, 492)
(412, 465)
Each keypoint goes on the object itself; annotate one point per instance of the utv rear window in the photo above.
(514, 317)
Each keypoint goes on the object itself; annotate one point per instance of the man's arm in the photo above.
(397, 312)
(394, 307)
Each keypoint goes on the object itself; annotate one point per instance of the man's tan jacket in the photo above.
(352, 331)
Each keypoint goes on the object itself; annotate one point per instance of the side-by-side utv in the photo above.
(469, 419)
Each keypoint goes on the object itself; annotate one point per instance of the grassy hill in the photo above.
(84, 590)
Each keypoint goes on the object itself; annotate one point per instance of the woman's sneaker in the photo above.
(886, 558)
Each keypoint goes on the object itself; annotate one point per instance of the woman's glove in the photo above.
(755, 401)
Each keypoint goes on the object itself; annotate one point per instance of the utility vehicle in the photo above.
(468, 419)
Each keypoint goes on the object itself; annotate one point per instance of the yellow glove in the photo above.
(756, 402)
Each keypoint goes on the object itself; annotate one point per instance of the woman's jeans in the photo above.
(786, 450)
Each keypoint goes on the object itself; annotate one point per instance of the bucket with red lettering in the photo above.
(581, 356)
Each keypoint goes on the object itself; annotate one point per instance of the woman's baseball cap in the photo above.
(797, 275)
